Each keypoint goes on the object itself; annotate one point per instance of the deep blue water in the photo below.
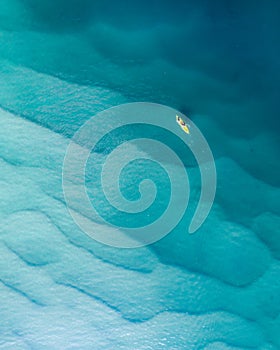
(62, 62)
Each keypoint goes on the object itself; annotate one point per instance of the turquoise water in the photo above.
(62, 63)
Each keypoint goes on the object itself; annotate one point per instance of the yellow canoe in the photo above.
(182, 124)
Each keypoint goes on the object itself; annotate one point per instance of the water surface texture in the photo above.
(62, 62)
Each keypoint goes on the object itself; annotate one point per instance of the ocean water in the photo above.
(63, 62)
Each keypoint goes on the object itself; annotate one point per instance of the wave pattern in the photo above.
(51, 269)
(218, 289)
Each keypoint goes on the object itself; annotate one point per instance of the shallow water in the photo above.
(62, 63)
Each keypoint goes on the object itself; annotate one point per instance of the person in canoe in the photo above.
(182, 124)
